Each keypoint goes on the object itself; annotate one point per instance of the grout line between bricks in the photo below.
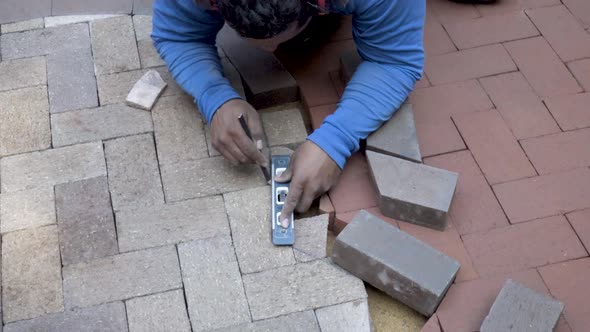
(111, 197)
(184, 296)
(158, 164)
(577, 235)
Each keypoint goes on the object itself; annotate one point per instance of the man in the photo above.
(388, 35)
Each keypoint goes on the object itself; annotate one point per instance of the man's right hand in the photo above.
(230, 139)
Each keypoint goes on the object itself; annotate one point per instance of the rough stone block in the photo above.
(51, 167)
(121, 277)
(31, 279)
(133, 172)
(249, 216)
(171, 223)
(100, 123)
(27, 209)
(213, 284)
(85, 220)
(36, 23)
(207, 177)
(346, 317)
(519, 308)
(311, 236)
(24, 121)
(113, 45)
(295, 322)
(54, 21)
(411, 192)
(349, 62)
(179, 130)
(146, 91)
(377, 252)
(397, 137)
(300, 287)
(284, 127)
(158, 312)
(22, 73)
(102, 318)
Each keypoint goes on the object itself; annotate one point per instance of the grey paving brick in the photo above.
(134, 178)
(51, 167)
(22, 73)
(113, 45)
(311, 235)
(207, 177)
(85, 220)
(24, 121)
(519, 308)
(146, 91)
(158, 312)
(17, 10)
(295, 322)
(172, 223)
(213, 285)
(27, 209)
(397, 137)
(300, 287)
(100, 123)
(143, 7)
(36, 23)
(284, 127)
(121, 277)
(68, 7)
(102, 318)
(412, 192)
(377, 252)
(147, 52)
(114, 88)
(54, 21)
(346, 317)
(233, 76)
(249, 216)
(31, 278)
(179, 130)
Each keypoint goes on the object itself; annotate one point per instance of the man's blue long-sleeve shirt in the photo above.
(388, 36)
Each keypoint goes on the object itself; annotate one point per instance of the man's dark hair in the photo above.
(261, 19)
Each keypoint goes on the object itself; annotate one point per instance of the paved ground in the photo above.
(90, 188)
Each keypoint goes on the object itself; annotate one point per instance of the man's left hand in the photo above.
(312, 173)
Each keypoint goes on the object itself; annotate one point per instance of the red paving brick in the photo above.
(438, 136)
(581, 70)
(563, 32)
(522, 110)
(468, 64)
(354, 190)
(571, 112)
(495, 149)
(568, 282)
(542, 67)
(422, 83)
(509, 6)
(326, 207)
(580, 221)
(432, 325)
(559, 152)
(523, 246)
(491, 29)
(474, 207)
(436, 39)
(319, 113)
(581, 9)
(545, 195)
(317, 89)
(448, 11)
(337, 82)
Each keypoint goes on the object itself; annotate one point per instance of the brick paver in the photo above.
(559, 152)
(36, 23)
(570, 111)
(21, 73)
(581, 70)
(579, 221)
(164, 312)
(27, 209)
(114, 47)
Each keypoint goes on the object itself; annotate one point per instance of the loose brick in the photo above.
(581, 70)
(148, 55)
(206, 177)
(354, 189)
(171, 223)
(233, 76)
(250, 218)
(146, 91)
(133, 172)
(317, 89)
(397, 137)
(51, 167)
(36, 23)
(520, 308)
(420, 283)
(179, 131)
(68, 7)
(542, 67)
(24, 121)
(520, 247)
(468, 64)
(438, 137)
(311, 238)
(343, 219)
(559, 152)
(563, 32)
(102, 318)
(350, 316)
(121, 277)
(23, 73)
(295, 322)
(491, 29)
(319, 114)
(497, 152)
(300, 287)
(284, 127)
(412, 192)
(163, 312)
(100, 123)
(436, 39)
(85, 220)
(53, 21)
(113, 45)
(571, 111)
(579, 221)
(545, 195)
(31, 279)
(213, 285)
(27, 209)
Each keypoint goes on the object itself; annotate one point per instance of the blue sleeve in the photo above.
(184, 36)
(389, 39)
